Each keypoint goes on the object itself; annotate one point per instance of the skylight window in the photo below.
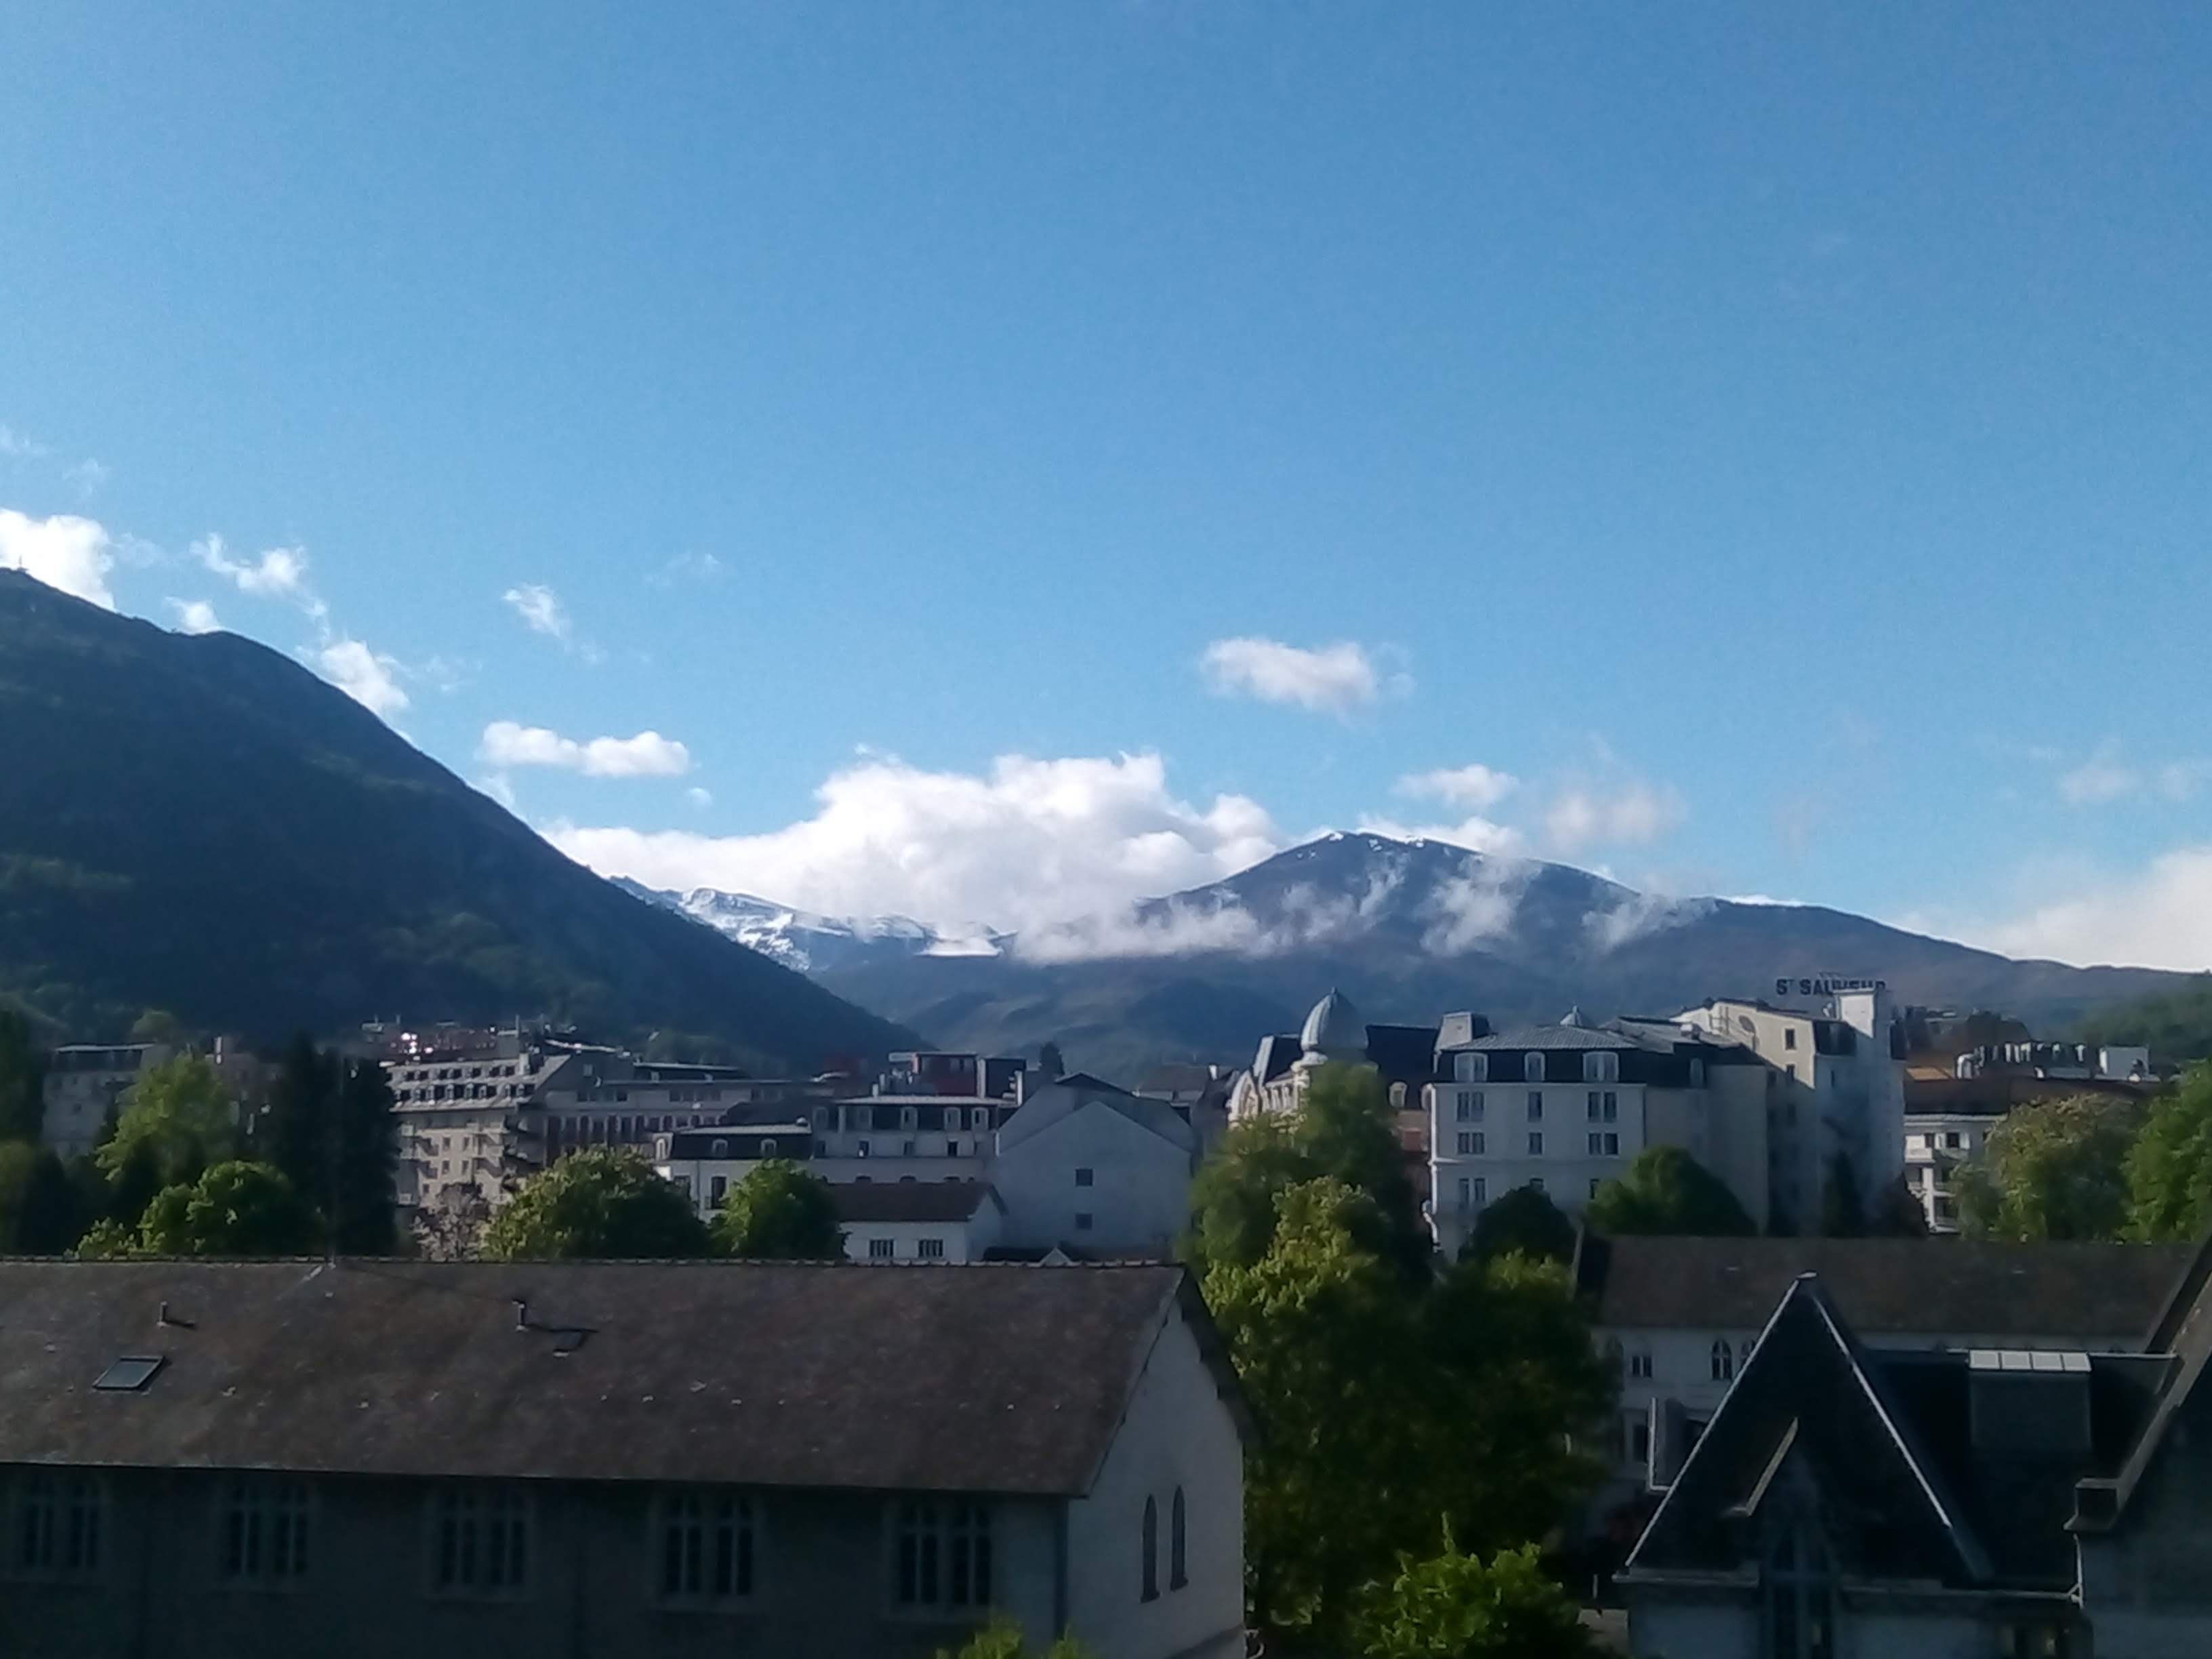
(131, 1374)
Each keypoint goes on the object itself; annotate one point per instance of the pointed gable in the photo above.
(1809, 1422)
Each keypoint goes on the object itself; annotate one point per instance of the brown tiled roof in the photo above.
(1886, 1286)
(909, 1201)
(956, 1379)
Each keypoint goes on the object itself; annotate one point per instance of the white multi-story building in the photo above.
(1840, 1098)
(1564, 1107)
(920, 1221)
(85, 1082)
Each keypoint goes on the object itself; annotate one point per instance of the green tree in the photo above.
(17, 1159)
(331, 1127)
(1898, 1212)
(53, 1214)
(233, 1209)
(1050, 1060)
(2056, 1170)
(2169, 1167)
(2174, 1025)
(602, 1203)
(1344, 1131)
(780, 1211)
(125, 1193)
(22, 1067)
(181, 1112)
(1665, 1190)
(1002, 1638)
(159, 1025)
(1525, 1221)
(1455, 1605)
(1327, 1346)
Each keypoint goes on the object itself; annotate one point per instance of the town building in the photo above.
(1679, 1316)
(1994, 1499)
(707, 1163)
(351, 1460)
(953, 1221)
(1948, 1115)
(1564, 1107)
(1199, 1093)
(1335, 1032)
(84, 1084)
(1837, 1111)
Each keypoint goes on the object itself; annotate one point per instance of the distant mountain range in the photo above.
(1407, 929)
(198, 825)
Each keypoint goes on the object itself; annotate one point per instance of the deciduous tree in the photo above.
(1457, 1606)
(780, 1211)
(2056, 1170)
(180, 1111)
(604, 1203)
(1665, 1190)
(1523, 1222)
(233, 1209)
(22, 1062)
(2169, 1167)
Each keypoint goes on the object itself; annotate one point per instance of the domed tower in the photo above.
(1333, 1031)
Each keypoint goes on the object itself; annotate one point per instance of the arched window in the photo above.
(1471, 1068)
(1151, 1546)
(1532, 1067)
(1723, 1358)
(721, 1149)
(1177, 1576)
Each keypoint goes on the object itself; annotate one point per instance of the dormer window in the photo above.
(1532, 1067)
(1471, 1068)
(1601, 1066)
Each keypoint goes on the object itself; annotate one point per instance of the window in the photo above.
(1951, 1141)
(1149, 1546)
(263, 1533)
(1178, 1577)
(1470, 1143)
(1602, 1067)
(705, 1547)
(979, 1118)
(1481, 1183)
(768, 1147)
(1465, 1195)
(1592, 1106)
(1083, 1221)
(1791, 1068)
(57, 1526)
(718, 1186)
(1532, 1067)
(1469, 1109)
(942, 1557)
(1610, 1113)
(1639, 1363)
(930, 1249)
(880, 1249)
(1083, 1177)
(861, 1148)
(1724, 1360)
(480, 1543)
(907, 1119)
(1790, 1036)
(1697, 1074)
(1535, 1143)
(1535, 1105)
(1604, 1145)
(1471, 1068)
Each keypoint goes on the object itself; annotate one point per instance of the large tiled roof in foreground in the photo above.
(979, 1379)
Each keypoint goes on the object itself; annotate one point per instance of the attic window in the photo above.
(131, 1374)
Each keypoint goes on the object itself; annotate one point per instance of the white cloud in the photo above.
(699, 798)
(541, 610)
(499, 788)
(194, 615)
(2160, 916)
(72, 554)
(2100, 778)
(1333, 679)
(86, 477)
(647, 755)
(1476, 787)
(1590, 814)
(1639, 914)
(687, 567)
(1029, 844)
(280, 573)
(1475, 833)
(1476, 907)
(2181, 780)
(368, 678)
(21, 446)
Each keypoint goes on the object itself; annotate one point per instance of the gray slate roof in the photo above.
(1009, 1380)
(910, 1200)
(1885, 1286)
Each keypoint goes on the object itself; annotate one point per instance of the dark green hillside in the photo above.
(200, 825)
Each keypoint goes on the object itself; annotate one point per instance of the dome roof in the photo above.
(1334, 1028)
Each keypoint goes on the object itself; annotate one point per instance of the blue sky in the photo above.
(1031, 456)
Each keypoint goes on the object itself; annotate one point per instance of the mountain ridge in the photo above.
(176, 804)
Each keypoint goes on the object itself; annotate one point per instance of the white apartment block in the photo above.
(1564, 1107)
(1839, 1091)
(86, 1081)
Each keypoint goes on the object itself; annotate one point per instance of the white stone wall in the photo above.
(1178, 1433)
(1567, 1166)
(1138, 1198)
(959, 1241)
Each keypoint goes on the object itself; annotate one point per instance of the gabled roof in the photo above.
(2077, 1294)
(2183, 1330)
(980, 1379)
(911, 1200)
(1807, 1393)
(1070, 1095)
(1276, 1055)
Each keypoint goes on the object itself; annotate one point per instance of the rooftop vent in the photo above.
(131, 1374)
